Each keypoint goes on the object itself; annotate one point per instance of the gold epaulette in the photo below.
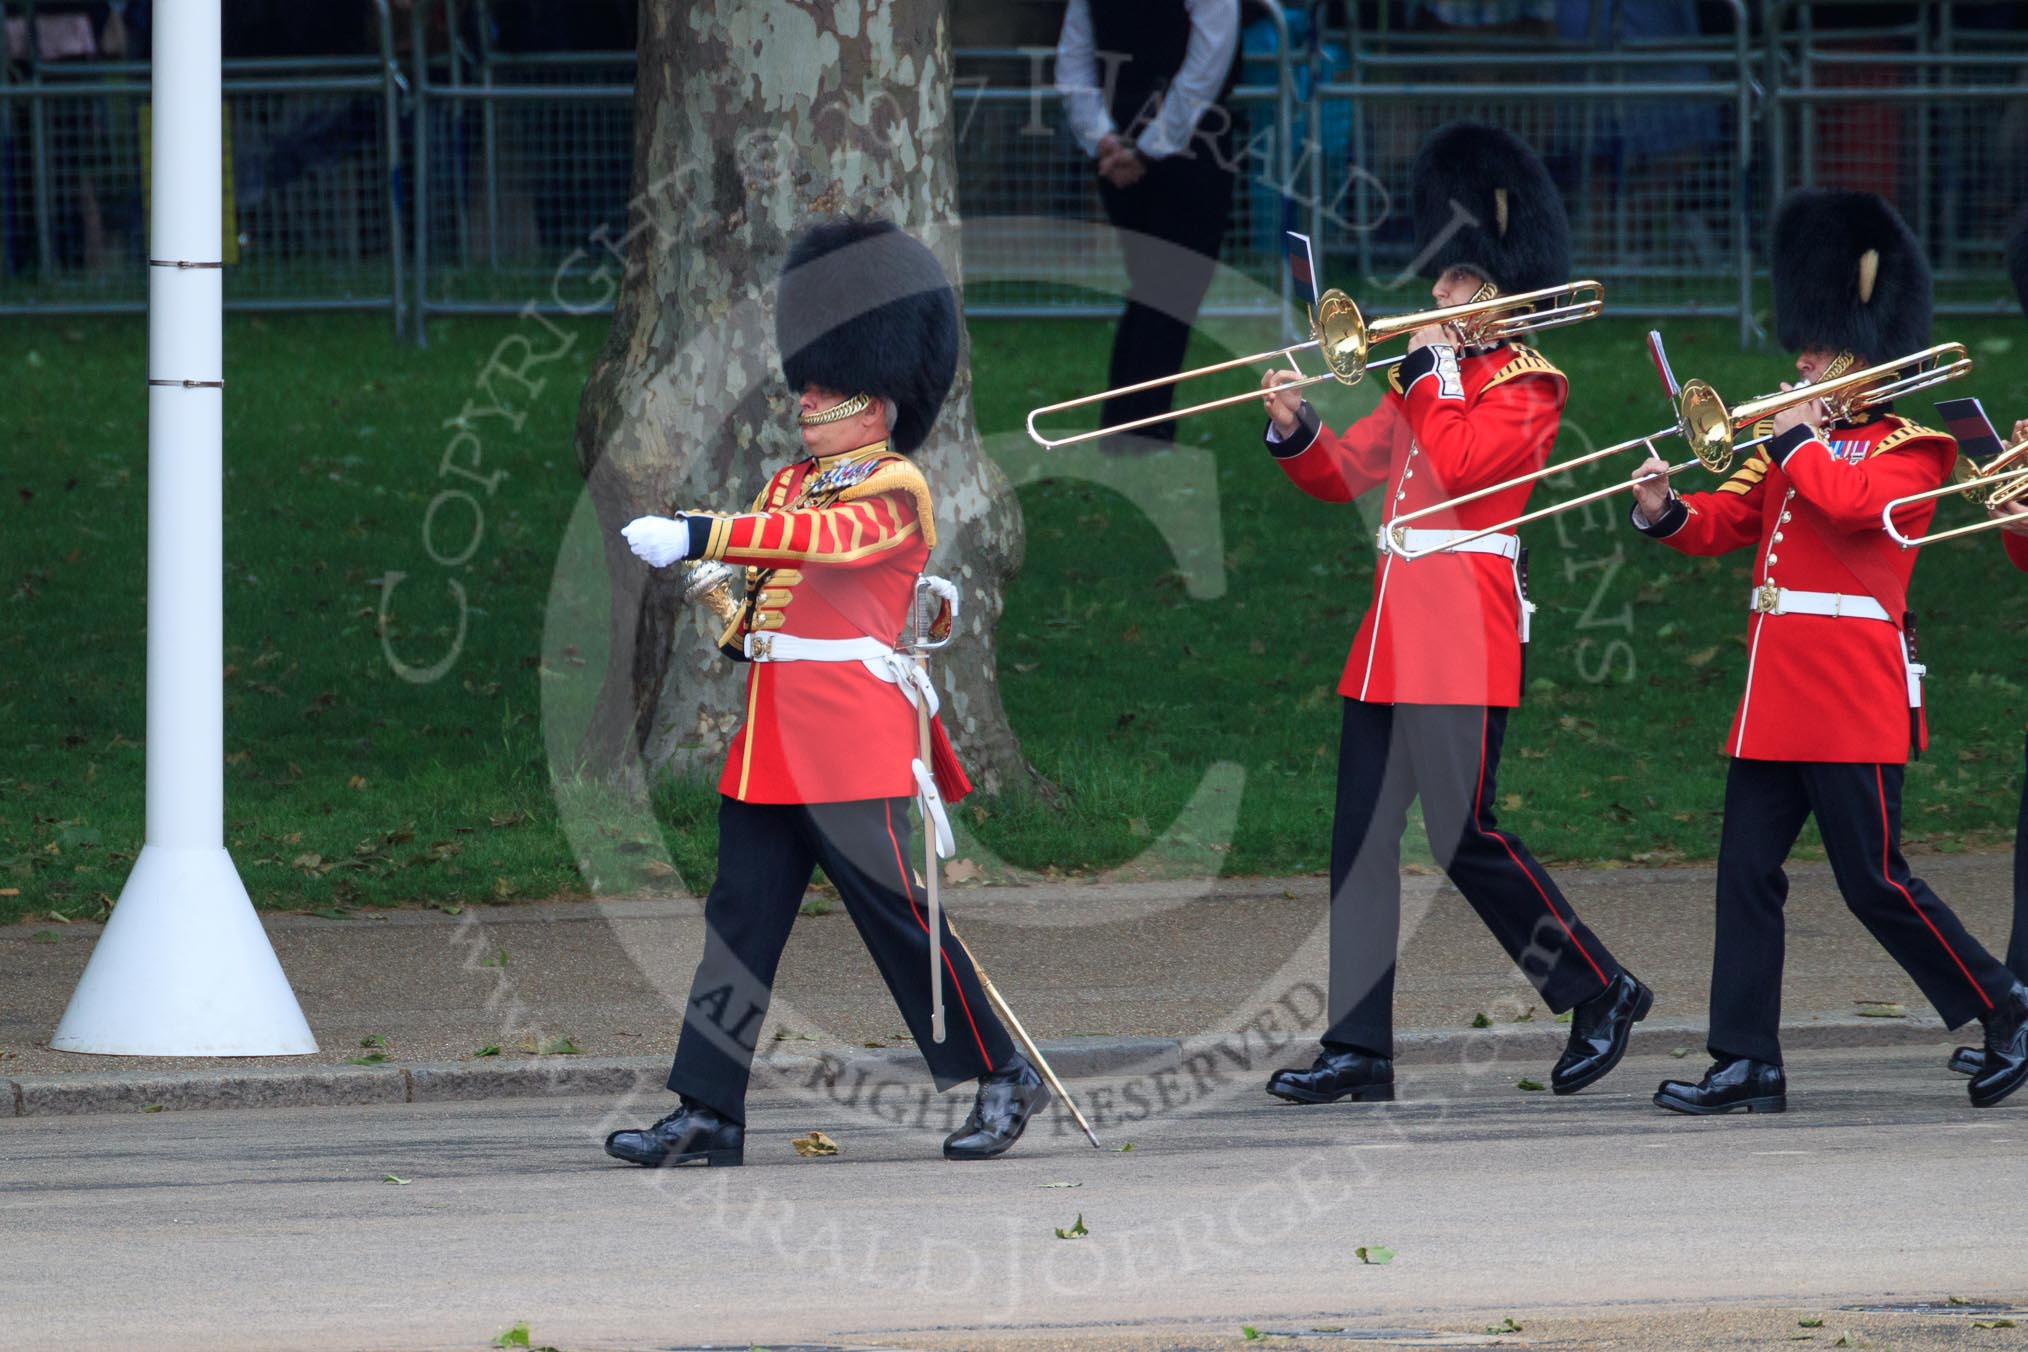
(1907, 432)
(899, 475)
(1523, 360)
(1747, 477)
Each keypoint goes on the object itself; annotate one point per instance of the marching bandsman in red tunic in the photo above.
(821, 771)
(1436, 664)
(1972, 1060)
(1832, 700)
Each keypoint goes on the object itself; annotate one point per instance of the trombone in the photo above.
(1711, 430)
(1343, 338)
(2001, 481)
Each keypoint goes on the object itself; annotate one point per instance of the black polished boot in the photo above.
(2005, 1064)
(693, 1134)
(1337, 1073)
(1968, 1060)
(1738, 1085)
(1599, 1029)
(1007, 1099)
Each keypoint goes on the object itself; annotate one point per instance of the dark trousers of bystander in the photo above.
(1172, 224)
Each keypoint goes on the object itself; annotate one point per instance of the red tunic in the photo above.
(824, 732)
(1820, 688)
(1443, 629)
(2017, 549)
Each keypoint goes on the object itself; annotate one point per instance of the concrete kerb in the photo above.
(1080, 1058)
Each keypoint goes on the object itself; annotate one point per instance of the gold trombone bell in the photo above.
(1709, 427)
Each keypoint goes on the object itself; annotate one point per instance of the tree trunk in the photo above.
(753, 117)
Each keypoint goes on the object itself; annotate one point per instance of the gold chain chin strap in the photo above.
(1835, 408)
(1470, 331)
(838, 412)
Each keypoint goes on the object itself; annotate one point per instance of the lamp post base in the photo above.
(184, 968)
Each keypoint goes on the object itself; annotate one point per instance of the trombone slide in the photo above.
(2009, 485)
(1344, 338)
(1710, 427)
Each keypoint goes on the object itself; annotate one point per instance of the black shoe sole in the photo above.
(1613, 1058)
(1365, 1093)
(1992, 1094)
(1772, 1103)
(1968, 1061)
(693, 1159)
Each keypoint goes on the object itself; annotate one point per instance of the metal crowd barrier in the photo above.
(1935, 120)
(447, 182)
(310, 222)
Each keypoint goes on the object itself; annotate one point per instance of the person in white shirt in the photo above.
(1144, 84)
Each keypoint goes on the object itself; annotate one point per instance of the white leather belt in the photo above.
(1394, 539)
(1419, 541)
(884, 663)
(1768, 599)
(765, 647)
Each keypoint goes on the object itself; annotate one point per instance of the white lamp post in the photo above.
(184, 967)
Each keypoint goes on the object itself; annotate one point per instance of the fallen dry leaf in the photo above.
(815, 1144)
(962, 871)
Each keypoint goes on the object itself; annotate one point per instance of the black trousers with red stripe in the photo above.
(766, 855)
(1858, 812)
(2017, 942)
(1449, 756)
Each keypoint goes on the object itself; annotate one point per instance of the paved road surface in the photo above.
(1589, 1221)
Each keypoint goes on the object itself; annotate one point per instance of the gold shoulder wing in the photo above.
(1747, 477)
(899, 476)
(1524, 361)
(1907, 432)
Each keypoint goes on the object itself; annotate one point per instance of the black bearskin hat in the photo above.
(864, 308)
(2017, 259)
(1848, 275)
(1483, 200)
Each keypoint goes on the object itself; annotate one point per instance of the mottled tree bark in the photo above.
(753, 117)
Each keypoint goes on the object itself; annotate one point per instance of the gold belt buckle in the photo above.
(1766, 597)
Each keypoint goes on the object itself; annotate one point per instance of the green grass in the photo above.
(1139, 680)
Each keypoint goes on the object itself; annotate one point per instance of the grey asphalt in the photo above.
(1592, 1221)
(1094, 969)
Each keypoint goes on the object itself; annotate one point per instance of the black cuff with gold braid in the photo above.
(1308, 424)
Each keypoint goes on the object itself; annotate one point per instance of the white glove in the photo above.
(657, 540)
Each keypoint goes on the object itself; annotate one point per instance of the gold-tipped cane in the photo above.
(933, 619)
(1028, 1047)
